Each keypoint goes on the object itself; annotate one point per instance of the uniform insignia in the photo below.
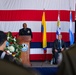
(28, 31)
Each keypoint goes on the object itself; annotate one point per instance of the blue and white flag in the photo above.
(71, 34)
(58, 27)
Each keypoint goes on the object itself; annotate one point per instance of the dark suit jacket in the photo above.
(9, 68)
(26, 31)
(55, 46)
(6, 57)
(68, 64)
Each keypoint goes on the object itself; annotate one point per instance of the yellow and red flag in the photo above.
(43, 30)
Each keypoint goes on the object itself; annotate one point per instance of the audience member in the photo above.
(9, 68)
(68, 64)
(8, 65)
(3, 54)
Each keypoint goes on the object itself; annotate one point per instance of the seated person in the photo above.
(59, 46)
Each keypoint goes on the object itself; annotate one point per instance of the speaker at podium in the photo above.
(25, 53)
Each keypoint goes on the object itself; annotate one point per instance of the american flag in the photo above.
(13, 13)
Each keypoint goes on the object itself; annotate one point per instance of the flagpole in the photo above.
(44, 36)
(45, 51)
(59, 9)
(58, 24)
(59, 13)
(71, 34)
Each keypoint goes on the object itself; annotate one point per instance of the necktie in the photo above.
(60, 44)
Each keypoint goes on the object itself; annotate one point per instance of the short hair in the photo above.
(24, 24)
(3, 37)
(60, 35)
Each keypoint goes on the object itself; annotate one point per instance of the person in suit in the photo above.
(68, 64)
(58, 47)
(25, 30)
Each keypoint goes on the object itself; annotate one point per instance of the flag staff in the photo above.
(44, 35)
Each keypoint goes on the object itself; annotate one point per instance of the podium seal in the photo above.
(25, 47)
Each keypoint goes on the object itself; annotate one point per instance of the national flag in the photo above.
(13, 13)
(43, 30)
(58, 26)
(71, 34)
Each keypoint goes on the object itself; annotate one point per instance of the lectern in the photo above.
(25, 54)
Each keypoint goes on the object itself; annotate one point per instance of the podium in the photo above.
(25, 59)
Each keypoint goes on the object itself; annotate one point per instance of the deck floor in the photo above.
(43, 64)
